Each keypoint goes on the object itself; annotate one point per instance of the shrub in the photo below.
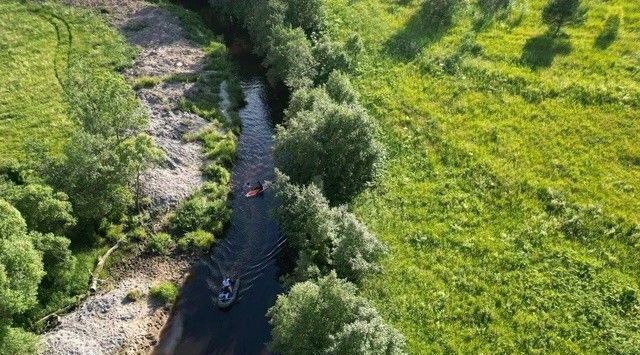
(164, 292)
(307, 14)
(439, 13)
(340, 89)
(305, 218)
(334, 147)
(43, 209)
(134, 295)
(199, 212)
(160, 243)
(213, 171)
(197, 240)
(138, 234)
(114, 232)
(331, 56)
(328, 317)
(58, 263)
(17, 341)
(289, 58)
(357, 251)
(307, 99)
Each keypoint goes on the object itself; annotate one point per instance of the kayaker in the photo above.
(226, 285)
(258, 186)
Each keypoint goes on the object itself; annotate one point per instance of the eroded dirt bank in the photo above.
(106, 323)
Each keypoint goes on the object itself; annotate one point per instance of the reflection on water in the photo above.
(248, 250)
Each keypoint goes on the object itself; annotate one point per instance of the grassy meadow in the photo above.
(510, 199)
(38, 45)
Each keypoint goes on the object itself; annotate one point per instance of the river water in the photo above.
(248, 249)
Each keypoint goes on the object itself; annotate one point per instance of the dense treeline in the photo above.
(327, 153)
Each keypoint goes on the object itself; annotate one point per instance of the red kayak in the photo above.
(256, 191)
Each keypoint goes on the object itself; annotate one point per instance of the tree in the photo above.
(357, 251)
(326, 316)
(306, 14)
(305, 218)
(58, 263)
(289, 58)
(20, 263)
(43, 209)
(331, 56)
(559, 13)
(340, 89)
(334, 147)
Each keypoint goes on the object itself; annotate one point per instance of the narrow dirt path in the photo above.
(106, 323)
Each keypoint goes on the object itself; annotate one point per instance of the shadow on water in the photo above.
(249, 249)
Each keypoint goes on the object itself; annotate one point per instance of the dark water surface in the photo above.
(248, 249)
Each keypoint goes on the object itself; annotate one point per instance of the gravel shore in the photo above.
(106, 323)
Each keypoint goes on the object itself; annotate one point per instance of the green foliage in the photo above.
(138, 234)
(134, 295)
(324, 237)
(106, 154)
(559, 13)
(439, 13)
(160, 243)
(306, 14)
(201, 212)
(17, 341)
(290, 59)
(21, 266)
(305, 218)
(58, 262)
(334, 146)
(328, 317)
(164, 292)
(357, 252)
(331, 56)
(340, 89)
(43, 209)
(198, 240)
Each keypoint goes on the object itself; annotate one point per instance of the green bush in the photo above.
(290, 59)
(160, 243)
(217, 173)
(328, 317)
(200, 212)
(134, 295)
(114, 232)
(198, 240)
(15, 341)
(164, 292)
(559, 13)
(138, 234)
(333, 146)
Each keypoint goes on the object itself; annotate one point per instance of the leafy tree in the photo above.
(104, 157)
(290, 58)
(340, 89)
(43, 209)
(439, 13)
(327, 316)
(331, 56)
(20, 264)
(333, 146)
(357, 251)
(306, 14)
(17, 341)
(306, 220)
(58, 263)
(200, 212)
(308, 99)
(260, 19)
(559, 13)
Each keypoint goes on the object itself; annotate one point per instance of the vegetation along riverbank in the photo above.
(508, 201)
(113, 114)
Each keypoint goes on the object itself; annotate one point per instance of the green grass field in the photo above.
(480, 124)
(38, 43)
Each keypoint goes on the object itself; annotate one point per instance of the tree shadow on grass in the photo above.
(426, 26)
(609, 32)
(540, 51)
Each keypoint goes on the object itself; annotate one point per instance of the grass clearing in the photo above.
(480, 126)
(38, 43)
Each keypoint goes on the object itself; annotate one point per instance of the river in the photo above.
(249, 248)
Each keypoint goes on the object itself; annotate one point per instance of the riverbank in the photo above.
(168, 73)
